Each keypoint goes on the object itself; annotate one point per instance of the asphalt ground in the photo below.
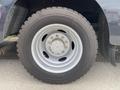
(102, 76)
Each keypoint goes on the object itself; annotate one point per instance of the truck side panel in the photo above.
(5, 6)
(111, 9)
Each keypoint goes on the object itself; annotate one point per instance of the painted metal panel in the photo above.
(111, 9)
(5, 6)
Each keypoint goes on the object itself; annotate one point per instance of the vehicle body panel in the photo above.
(111, 9)
(5, 6)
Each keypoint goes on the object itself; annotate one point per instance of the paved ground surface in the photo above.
(102, 76)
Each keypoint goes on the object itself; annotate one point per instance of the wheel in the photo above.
(57, 45)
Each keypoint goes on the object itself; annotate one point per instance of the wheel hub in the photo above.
(57, 44)
(57, 48)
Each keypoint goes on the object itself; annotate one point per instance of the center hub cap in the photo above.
(57, 44)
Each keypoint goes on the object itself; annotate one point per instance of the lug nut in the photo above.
(57, 35)
(51, 37)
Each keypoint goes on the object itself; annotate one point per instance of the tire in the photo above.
(62, 17)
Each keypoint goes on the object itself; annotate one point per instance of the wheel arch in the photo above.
(88, 8)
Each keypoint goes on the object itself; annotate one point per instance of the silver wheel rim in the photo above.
(57, 48)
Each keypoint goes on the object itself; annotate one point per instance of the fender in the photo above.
(5, 8)
(111, 10)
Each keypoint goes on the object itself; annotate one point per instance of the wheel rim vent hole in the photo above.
(45, 54)
(62, 59)
(44, 37)
(73, 45)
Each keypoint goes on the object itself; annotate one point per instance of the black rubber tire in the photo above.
(64, 16)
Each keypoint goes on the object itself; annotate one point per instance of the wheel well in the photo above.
(88, 8)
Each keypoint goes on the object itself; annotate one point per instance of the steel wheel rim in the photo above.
(52, 59)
